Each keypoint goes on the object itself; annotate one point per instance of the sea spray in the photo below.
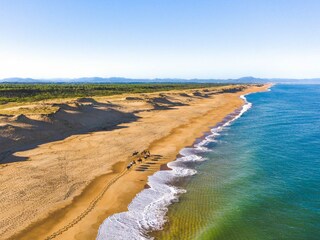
(147, 211)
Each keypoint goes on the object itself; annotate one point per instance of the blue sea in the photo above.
(256, 177)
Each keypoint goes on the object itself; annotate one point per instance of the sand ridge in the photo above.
(65, 176)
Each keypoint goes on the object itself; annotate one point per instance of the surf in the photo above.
(147, 211)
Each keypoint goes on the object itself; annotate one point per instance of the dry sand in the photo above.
(67, 186)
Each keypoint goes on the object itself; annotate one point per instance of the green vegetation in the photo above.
(37, 92)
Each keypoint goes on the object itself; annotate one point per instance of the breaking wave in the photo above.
(147, 211)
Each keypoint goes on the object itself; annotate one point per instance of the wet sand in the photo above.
(70, 186)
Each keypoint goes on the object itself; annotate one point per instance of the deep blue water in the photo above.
(262, 178)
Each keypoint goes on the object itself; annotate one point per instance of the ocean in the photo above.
(254, 176)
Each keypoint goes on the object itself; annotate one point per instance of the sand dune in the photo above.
(54, 165)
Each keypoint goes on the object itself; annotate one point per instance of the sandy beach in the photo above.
(64, 169)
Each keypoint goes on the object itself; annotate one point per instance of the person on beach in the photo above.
(130, 164)
(146, 153)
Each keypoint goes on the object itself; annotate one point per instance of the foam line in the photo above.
(147, 211)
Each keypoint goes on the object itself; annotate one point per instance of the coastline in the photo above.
(118, 196)
(147, 212)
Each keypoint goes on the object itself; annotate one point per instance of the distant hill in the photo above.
(159, 80)
(20, 80)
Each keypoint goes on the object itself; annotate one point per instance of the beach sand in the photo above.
(67, 187)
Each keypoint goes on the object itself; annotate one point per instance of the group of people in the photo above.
(145, 154)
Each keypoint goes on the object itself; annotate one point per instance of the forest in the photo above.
(27, 92)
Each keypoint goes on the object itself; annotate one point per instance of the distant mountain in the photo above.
(20, 80)
(160, 80)
(296, 81)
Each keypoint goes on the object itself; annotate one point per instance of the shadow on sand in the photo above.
(85, 116)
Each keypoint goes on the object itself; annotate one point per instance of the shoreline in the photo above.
(116, 198)
(145, 230)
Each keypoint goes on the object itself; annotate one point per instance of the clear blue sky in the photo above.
(160, 38)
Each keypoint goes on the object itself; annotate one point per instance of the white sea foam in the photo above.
(147, 211)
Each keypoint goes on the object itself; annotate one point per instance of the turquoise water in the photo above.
(262, 178)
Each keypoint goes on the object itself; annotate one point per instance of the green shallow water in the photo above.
(262, 178)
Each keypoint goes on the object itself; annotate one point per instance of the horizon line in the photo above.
(157, 78)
